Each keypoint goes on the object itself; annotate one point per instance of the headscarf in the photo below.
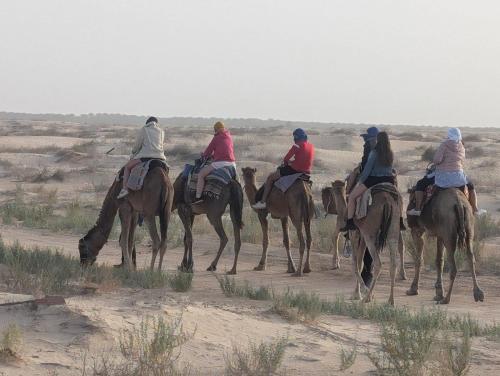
(454, 134)
(219, 126)
(299, 135)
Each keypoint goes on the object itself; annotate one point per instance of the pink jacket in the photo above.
(450, 156)
(221, 148)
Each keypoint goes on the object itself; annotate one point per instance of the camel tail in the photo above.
(387, 214)
(236, 203)
(166, 199)
(461, 225)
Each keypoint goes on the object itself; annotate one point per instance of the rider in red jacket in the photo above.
(299, 159)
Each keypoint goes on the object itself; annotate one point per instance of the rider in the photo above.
(448, 162)
(148, 145)
(370, 138)
(378, 169)
(221, 150)
(299, 159)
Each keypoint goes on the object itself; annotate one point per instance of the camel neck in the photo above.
(340, 204)
(251, 192)
(106, 219)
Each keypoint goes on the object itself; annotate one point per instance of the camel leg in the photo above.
(418, 242)
(302, 245)
(131, 239)
(439, 269)
(286, 244)
(155, 239)
(357, 266)
(237, 243)
(307, 265)
(335, 245)
(401, 250)
(393, 243)
(377, 267)
(451, 246)
(187, 221)
(478, 293)
(219, 228)
(125, 219)
(264, 224)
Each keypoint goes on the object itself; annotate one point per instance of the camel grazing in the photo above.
(380, 228)
(449, 217)
(154, 199)
(232, 195)
(296, 203)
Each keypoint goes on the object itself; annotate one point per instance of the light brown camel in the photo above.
(296, 203)
(154, 199)
(232, 195)
(380, 228)
(449, 217)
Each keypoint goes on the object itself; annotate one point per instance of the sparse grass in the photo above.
(88, 147)
(230, 288)
(180, 281)
(37, 150)
(476, 152)
(151, 348)
(11, 343)
(186, 152)
(455, 355)
(48, 271)
(256, 360)
(348, 357)
(46, 175)
(472, 138)
(300, 306)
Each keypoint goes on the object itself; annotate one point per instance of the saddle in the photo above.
(365, 200)
(215, 181)
(285, 184)
(139, 172)
(429, 193)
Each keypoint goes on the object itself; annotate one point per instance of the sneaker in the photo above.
(122, 193)
(259, 205)
(414, 212)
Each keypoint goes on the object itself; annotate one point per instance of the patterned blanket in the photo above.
(214, 184)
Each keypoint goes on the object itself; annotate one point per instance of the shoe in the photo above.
(122, 194)
(414, 212)
(402, 226)
(259, 205)
(349, 226)
(198, 201)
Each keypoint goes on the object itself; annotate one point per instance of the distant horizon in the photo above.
(4, 115)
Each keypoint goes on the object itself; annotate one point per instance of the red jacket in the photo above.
(221, 148)
(303, 153)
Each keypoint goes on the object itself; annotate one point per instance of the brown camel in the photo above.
(296, 203)
(154, 199)
(232, 195)
(380, 228)
(449, 217)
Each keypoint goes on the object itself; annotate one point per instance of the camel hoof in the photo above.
(260, 267)
(297, 274)
(185, 269)
(438, 297)
(411, 292)
(231, 272)
(402, 277)
(367, 299)
(443, 301)
(212, 268)
(391, 302)
(356, 296)
(478, 295)
(336, 265)
(307, 269)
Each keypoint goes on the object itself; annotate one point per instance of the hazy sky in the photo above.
(372, 61)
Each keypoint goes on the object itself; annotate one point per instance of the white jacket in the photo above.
(149, 142)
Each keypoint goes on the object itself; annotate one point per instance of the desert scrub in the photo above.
(230, 288)
(348, 357)
(49, 271)
(180, 281)
(10, 345)
(428, 154)
(151, 348)
(300, 306)
(256, 360)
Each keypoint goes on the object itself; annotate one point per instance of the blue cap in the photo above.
(299, 135)
(371, 133)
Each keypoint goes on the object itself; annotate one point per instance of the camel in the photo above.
(296, 203)
(154, 199)
(232, 195)
(380, 228)
(448, 216)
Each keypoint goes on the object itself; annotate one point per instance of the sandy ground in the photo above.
(56, 338)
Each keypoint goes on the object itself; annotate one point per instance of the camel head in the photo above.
(327, 199)
(338, 186)
(249, 175)
(89, 247)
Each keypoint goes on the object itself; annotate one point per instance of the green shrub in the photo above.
(180, 281)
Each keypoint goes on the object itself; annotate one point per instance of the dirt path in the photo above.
(56, 337)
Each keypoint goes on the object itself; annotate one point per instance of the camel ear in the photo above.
(254, 170)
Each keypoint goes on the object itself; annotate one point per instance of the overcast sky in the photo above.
(372, 61)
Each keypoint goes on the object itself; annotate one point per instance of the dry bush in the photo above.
(88, 147)
(11, 342)
(256, 360)
(51, 149)
(472, 138)
(454, 356)
(476, 152)
(348, 357)
(46, 175)
(180, 281)
(184, 151)
(428, 154)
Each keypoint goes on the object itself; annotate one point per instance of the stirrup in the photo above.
(124, 192)
(259, 205)
(414, 212)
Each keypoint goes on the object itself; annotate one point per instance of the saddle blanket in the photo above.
(287, 181)
(214, 184)
(139, 172)
(365, 200)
